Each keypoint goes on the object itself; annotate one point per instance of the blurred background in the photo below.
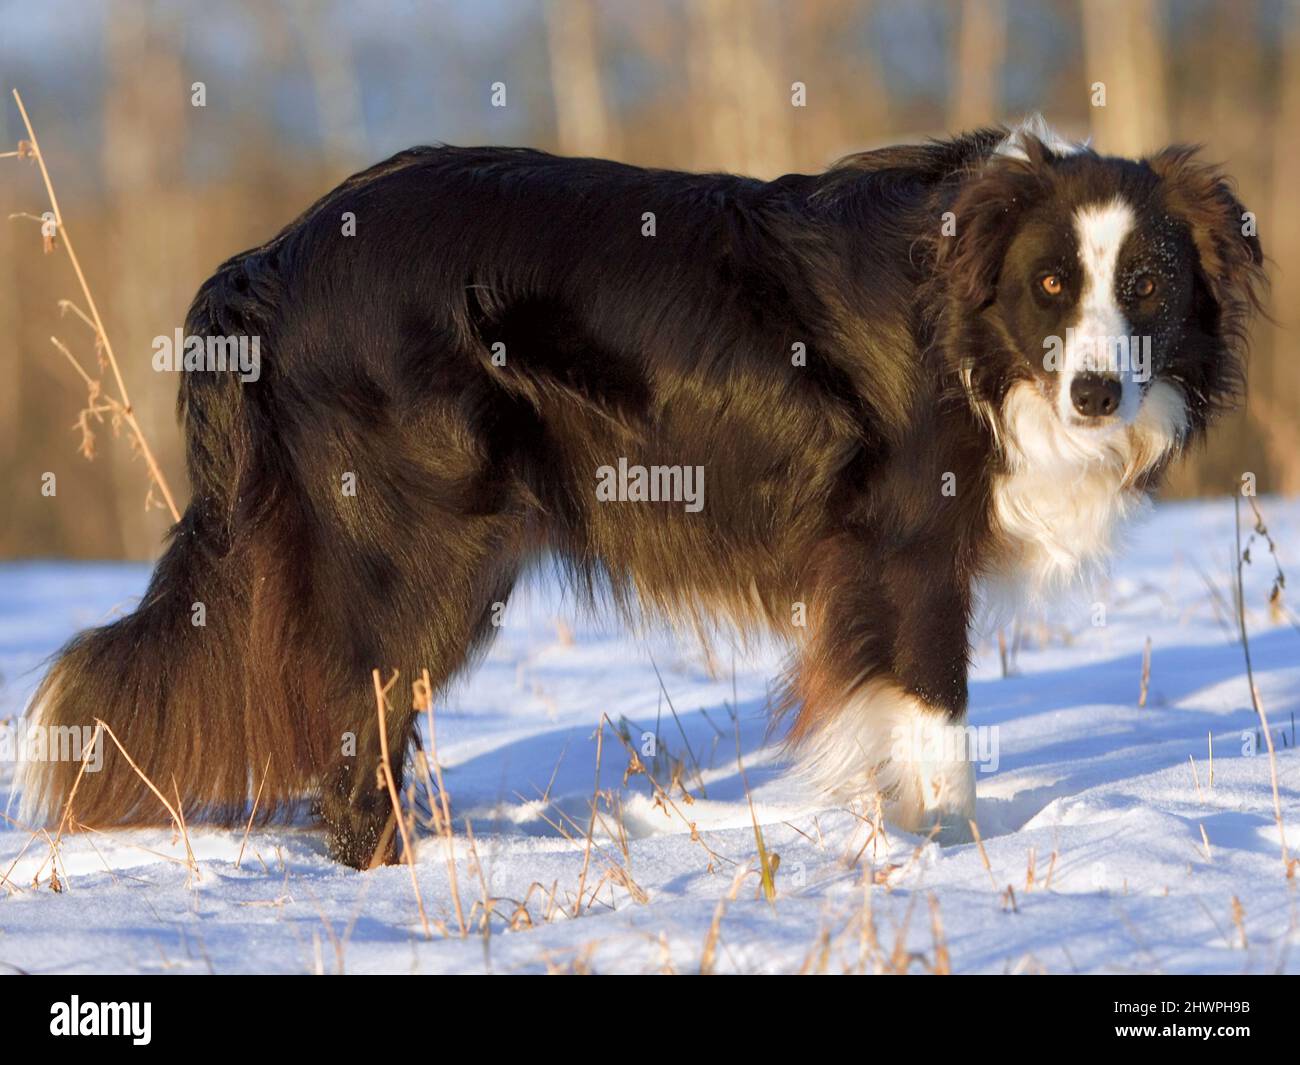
(299, 93)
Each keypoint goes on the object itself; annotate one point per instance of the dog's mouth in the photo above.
(1098, 425)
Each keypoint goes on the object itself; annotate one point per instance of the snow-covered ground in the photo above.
(1111, 845)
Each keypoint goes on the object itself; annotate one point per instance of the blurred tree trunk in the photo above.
(981, 46)
(848, 104)
(1220, 86)
(1275, 392)
(148, 272)
(582, 122)
(740, 105)
(334, 85)
(1123, 48)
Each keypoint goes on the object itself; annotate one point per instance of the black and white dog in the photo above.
(846, 407)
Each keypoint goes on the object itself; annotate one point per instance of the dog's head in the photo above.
(1106, 294)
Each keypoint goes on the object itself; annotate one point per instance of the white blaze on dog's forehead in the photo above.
(1098, 338)
(1101, 230)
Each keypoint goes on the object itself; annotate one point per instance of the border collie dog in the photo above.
(933, 376)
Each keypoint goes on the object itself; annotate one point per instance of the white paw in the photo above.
(919, 761)
(935, 798)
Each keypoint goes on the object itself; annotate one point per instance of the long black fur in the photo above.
(821, 477)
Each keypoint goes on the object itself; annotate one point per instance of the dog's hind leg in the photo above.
(437, 615)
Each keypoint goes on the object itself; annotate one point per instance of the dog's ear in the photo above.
(986, 213)
(1230, 257)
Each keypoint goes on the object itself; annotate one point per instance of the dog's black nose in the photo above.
(1095, 395)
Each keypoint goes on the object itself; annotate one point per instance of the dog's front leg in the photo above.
(882, 688)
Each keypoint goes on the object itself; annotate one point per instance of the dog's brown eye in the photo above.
(1144, 286)
(1051, 284)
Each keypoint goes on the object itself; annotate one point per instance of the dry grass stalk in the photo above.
(384, 845)
(591, 824)
(615, 873)
(1239, 920)
(386, 770)
(56, 885)
(120, 405)
(54, 855)
(984, 857)
(487, 901)
(893, 873)
(942, 961)
(84, 828)
(818, 956)
(33, 833)
(1051, 870)
(709, 954)
(666, 966)
(175, 814)
(330, 933)
(552, 902)
(868, 938)
(878, 803)
(72, 794)
(112, 873)
(253, 813)
(1277, 609)
(874, 831)
(900, 958)
(180, 812)
(1146, 673)
(699, 774)
(635, 765)
(1288, 866)
(579, 964)
(624, 844)
(422, 691)
(521, 918)
(767, 864)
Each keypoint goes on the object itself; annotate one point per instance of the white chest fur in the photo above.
(1059, 509)
(1056, 531)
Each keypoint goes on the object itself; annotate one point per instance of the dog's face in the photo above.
(1102, 286)
(1094, 296)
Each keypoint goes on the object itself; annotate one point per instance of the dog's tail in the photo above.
(180, 682)
(167, 681)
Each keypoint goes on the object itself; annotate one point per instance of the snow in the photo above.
(1095, 820)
